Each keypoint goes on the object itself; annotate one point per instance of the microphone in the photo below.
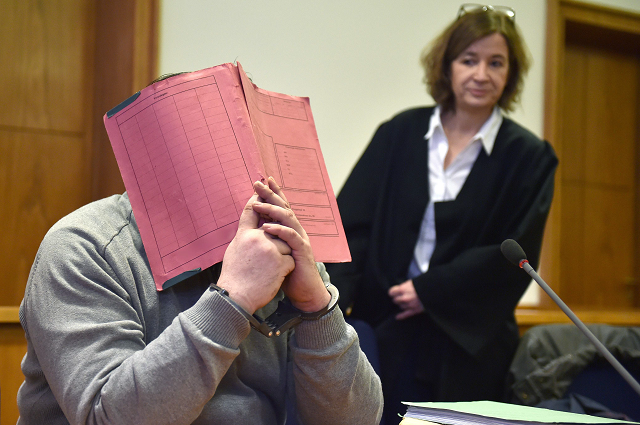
(514, 253)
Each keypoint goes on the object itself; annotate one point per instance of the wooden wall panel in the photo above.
(44, 62)
(43, 178)
(127, 39)
(63, 64)
(45, 139)
(114, 68)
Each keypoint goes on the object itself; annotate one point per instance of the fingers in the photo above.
(404, 288)
(280, 215)
(409, 308)
(395, 290)
(252, 212)
(277, 190)
(292, 238)
(403, 301)
(254, 268)
(281, 244)
(271, 193)
(249, 218)
(405, 314)
(404, 296)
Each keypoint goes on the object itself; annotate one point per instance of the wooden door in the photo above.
(599, 177)
(592, 244)
(63, 63)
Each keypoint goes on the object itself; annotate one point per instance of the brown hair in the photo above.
(437, 57)
(165, 76)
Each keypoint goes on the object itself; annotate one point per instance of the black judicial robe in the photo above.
(467, 336)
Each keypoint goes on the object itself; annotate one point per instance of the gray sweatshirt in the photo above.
(104, 347)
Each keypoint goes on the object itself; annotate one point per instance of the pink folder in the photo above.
(189, 148)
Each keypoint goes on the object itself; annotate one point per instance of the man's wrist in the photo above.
(333, 302)
(322, 299)
(286, 315)
(225, 294)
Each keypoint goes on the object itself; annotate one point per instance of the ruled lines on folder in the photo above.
(187, 163)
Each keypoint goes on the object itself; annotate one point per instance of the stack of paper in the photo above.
(489, 412)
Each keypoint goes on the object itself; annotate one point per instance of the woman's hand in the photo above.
(404, 296)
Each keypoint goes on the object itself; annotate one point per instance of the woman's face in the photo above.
(479, 74)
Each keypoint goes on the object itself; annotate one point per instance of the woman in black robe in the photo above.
(426, 208)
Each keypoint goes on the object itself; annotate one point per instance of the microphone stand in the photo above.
(524, 264)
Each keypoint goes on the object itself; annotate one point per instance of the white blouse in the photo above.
(445, 184)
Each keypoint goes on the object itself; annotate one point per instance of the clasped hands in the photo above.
(271, 251)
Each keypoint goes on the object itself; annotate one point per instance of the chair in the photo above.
(553, 362)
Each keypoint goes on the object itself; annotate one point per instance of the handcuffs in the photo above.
(286, 315)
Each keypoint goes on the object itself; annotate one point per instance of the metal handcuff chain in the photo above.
(285, 317)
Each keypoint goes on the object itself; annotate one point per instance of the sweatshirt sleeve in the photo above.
(89, 338)
(334, 381)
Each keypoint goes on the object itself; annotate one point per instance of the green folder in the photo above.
(491, 412)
